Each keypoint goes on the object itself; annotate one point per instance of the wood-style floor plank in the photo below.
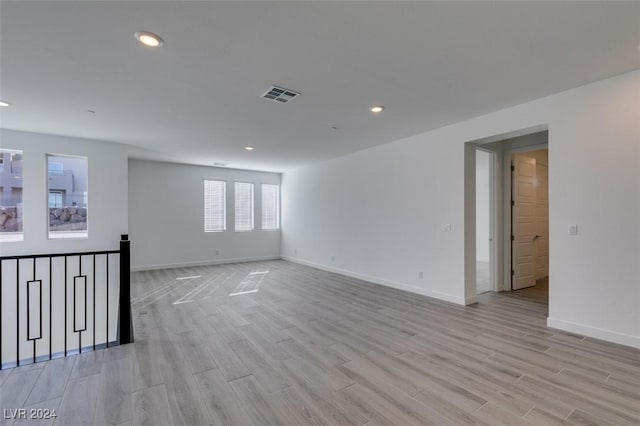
(52, 382)
(224, 408)
(79, 401)
(152, 407)
(115, 401)
(16, 388)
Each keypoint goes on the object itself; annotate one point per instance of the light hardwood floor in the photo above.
(311, 347)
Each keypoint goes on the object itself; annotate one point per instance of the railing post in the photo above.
(126, 326)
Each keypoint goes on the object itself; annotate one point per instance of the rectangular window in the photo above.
(10, 195)
(244, 206)
(215, 217)
(67, 204)
(270, 207)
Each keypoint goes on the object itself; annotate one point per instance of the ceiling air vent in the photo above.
(279, 94)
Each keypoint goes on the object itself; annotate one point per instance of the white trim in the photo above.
(380, 281)
(203, 263)
(68, 235)
(482, 259)
(594, 332)
(11, 237)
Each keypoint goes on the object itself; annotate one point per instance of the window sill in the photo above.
(68, 235)
(11, 237)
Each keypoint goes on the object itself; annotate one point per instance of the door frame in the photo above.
(497, 143)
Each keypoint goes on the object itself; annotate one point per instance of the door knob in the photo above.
(536, 237)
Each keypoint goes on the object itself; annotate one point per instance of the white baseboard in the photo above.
(203, 263)
(597, 333)
(376, 280)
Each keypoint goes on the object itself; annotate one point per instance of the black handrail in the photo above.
(40, 256)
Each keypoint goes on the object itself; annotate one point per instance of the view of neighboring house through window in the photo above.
(215, 218)
(10, 195)
(244, 206)
(68, 189)
(270, 207)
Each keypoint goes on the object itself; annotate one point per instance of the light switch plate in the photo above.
(446, 227)
(573, 229)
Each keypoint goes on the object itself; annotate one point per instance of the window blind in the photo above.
(270, 206)
(215, 218)
(244, 206)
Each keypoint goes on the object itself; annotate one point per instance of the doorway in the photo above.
(489, 190)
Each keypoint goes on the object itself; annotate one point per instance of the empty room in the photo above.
(318, 212)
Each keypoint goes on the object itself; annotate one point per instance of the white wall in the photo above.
(380, 211)
(166, 217)
(483, 212)
(107, 176)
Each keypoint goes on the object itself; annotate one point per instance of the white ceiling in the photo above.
(197, 99)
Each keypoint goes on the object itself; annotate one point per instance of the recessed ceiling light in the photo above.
(4, 104)
(149, 39)
(376, 109)
(249, 148)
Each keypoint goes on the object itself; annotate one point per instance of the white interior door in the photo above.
(523, 226)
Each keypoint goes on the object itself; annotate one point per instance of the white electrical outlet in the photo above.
(446, 227)
(295, 251)
(217, 252)
(333, 258)
(573, 229)
(420, 275)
